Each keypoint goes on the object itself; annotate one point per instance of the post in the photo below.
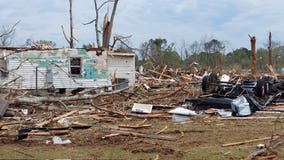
(253, 55)
(71, 25)
(270, 50)
(36, 79)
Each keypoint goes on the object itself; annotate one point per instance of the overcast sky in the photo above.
(175, 20)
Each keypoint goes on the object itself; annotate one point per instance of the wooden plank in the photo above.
(56, 118)
(149, 115)
(165, 75)
(163, 71)
(135, 126)
(246, 141)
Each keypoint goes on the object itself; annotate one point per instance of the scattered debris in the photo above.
(142, 108)
(58, 140)
(183, 111)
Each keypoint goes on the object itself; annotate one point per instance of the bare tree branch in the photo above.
(71, 25)
(96, 24)
(65, 36)
(92, 21)
(104, 4)
(12, 29)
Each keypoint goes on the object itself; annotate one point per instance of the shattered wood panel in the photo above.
(122, 65)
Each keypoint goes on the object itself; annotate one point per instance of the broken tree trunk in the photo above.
(153, 136)
(253, 55)
(71, 25)
(270, 50)
(109, 25)
(62, 99)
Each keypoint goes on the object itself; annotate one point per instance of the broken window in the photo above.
(75, 66)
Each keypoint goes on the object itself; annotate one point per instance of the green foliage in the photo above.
(87, 46)
(161, 53)
(239, 57)
(30, 43)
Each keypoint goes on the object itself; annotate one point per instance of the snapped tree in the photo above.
(107, 24)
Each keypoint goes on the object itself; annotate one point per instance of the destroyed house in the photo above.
(61, 69)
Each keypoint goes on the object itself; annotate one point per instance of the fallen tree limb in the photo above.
(153, 136)
(62, 99)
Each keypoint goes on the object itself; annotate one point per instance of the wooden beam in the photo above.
(164, 75)
(246, 141)
(153, 136)
(56, 118)
(163, 71)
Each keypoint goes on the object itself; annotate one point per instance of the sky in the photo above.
(178, 21)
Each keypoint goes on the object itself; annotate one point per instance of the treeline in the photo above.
(209, 54)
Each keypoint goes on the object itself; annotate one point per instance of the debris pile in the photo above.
(158, 94)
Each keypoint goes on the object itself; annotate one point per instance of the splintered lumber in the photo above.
(135, 126)
(56, 118)
(50, 99)
(153, 136)
(102, 119)
(162, 97)
(246, 141)
(50, 133)
(165, 75)
(163, 71)
(107, 110)
(158, 115)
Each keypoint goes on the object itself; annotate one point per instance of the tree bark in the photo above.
(96, 24)
(71, 25)
(270, 50)
(109, 27)
(62, 99)
(253, 55)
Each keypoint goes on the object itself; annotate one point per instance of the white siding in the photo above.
(122, 65)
